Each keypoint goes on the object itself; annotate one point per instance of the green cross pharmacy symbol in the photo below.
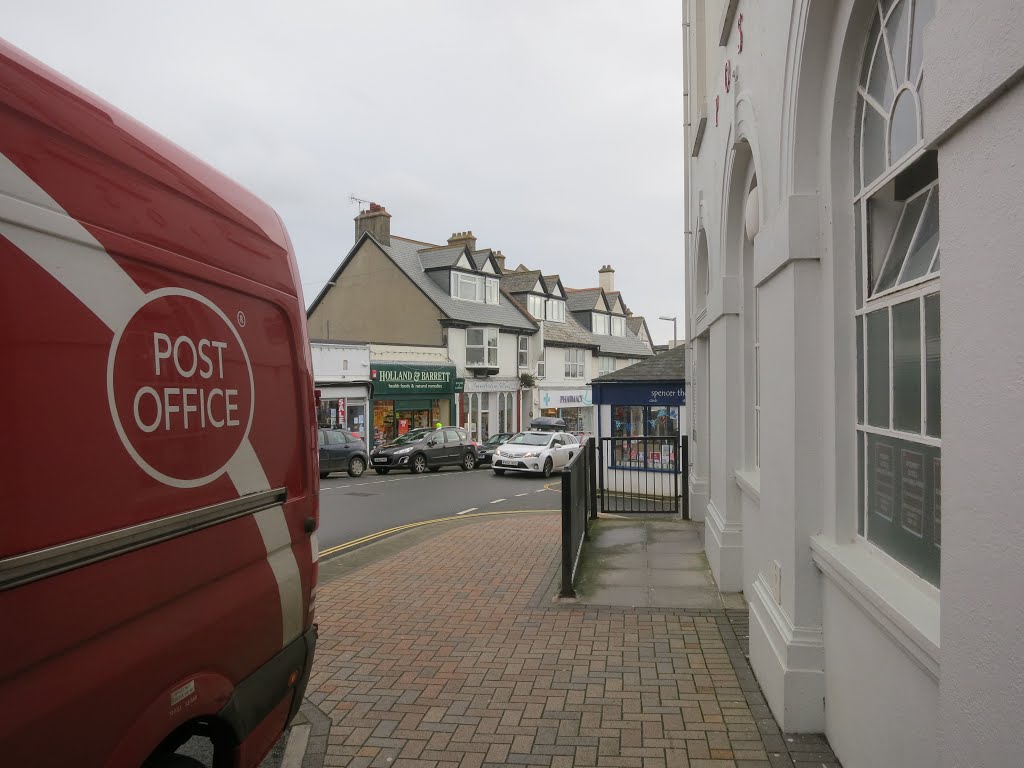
(547, 399)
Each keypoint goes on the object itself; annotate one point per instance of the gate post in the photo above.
(592, 476)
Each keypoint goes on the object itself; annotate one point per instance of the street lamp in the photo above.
(673, 321)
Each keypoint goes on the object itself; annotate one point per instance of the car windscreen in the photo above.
(410, 437)
(527, 438)
(496, 439)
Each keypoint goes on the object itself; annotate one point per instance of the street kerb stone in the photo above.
(453, 651)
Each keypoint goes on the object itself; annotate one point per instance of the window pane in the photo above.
(927, 240)
(932, 350)
(880, 83)
(860, 483)
(923, 12)
(873, 140)
(878, 368)
(859, 253)
(896, 29)
(904, 493)
(901, 243)
(903, 130)
(860, 371)
(475, 337)
(906, 362)
(475, 355)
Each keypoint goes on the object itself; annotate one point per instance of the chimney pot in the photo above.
(376, 221)
(606, 278)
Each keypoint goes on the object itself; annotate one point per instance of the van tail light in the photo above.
(314, 544)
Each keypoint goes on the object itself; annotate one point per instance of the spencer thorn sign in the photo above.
(181, 388)
(395, 378)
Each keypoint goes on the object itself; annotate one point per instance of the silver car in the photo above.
(535, 451)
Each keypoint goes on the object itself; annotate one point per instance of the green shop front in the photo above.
(410, 396)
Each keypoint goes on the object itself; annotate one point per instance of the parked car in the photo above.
(489, 446)
(422, 449)
(535, 451)
(341, 451)
(165, 587)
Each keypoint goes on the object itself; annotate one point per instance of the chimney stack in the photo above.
(500, 258)
(463, 238)
(606, 278)
(376, 221)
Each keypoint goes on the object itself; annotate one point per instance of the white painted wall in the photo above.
(852, 644)
(981, 173)
(340, 362)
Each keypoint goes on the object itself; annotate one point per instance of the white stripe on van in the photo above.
(35, 223)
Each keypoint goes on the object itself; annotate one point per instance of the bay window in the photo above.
(481, 347)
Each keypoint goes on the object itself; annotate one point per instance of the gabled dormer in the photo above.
(554, 309)
(463, 275)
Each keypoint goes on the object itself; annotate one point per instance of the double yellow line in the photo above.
(380, 534)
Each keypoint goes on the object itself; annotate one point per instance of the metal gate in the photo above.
(642, 474)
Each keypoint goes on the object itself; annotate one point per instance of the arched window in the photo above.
(701, 272)
(896, 205)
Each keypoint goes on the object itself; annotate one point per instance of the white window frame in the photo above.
(485, 289)
(575, 360)
(535, 306)
(555, 311)
(618, 326)
(605, 364)
(491, 290)
(489, 346)
(601, 324)
(524, 352)
(542, 364)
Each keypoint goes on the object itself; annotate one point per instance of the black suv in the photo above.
(421, 449)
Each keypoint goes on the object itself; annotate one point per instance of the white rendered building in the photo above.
(854, 183)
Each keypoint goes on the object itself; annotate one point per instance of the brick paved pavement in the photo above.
(451, 653)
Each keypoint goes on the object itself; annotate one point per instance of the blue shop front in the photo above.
(642, 425)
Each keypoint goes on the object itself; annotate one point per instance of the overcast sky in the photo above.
(550, 128)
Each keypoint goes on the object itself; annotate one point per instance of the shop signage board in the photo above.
(404, 379)
(566, 398)
(641, 393)
(491, 385)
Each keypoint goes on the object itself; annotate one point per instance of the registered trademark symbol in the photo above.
(241, 319)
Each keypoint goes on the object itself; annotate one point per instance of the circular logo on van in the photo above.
(180, 387)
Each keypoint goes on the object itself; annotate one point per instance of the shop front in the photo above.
(410, 396)
(574, 406)
(343, 407)
(489, 407)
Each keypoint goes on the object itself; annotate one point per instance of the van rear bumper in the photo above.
(264, 690)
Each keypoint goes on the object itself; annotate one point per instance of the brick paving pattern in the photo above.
(451, 654)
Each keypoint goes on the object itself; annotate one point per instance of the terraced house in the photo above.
(455, 307)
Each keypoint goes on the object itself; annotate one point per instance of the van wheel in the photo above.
(356, 467)
(171, 760)
(547, 467)
(468, 462)
(381, 471)
(435, 469)
(499, 472)
(419, 463)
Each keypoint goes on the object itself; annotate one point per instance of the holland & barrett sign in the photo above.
(411, 379)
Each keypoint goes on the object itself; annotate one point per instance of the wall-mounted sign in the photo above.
(640, 393)
(565, 398)
(411, 379)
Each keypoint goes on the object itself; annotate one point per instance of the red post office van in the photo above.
(159, 479)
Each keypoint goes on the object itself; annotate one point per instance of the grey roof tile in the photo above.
(583, 300)
(406, 254)
(666, 366)
(440, 257)
(569, 333)
(520, 282)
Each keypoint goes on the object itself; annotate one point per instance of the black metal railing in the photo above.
(579, 507)
(641, 474)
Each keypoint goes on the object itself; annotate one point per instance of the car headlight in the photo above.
(402, 451)
(531, 455)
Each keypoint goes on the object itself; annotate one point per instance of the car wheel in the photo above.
(356, 467)
(381, 471)
(499, 472)
(419, 463)
(547, 467)
(434, 469)
(323, 475)
(468, 462)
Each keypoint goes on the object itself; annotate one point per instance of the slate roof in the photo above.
(569, 333)
(666, 366)
(520, 282)
(441, 257)
(479, 258)
(583, 299)
(406, 254)
(550, 281)
(629, 345)
(635, 323)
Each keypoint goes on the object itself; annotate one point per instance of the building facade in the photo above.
(853, 173)
(341, 373)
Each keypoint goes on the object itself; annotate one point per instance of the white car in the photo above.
(535, 451)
